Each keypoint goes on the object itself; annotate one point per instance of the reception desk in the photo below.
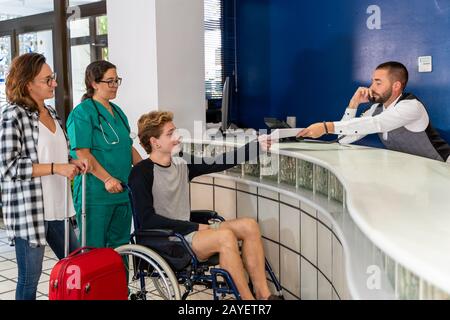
(340, 221)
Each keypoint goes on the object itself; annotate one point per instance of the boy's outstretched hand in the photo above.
(265, 142)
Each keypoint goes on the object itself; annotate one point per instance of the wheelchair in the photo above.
(159, 262)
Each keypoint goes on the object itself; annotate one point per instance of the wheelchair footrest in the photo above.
(218, 286)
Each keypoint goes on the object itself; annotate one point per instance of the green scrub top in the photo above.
(114, 153)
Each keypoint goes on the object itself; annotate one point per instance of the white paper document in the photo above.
(285, 133)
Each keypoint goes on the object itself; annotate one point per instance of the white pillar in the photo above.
(158, 47)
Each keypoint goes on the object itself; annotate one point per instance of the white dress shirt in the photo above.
(410, 114)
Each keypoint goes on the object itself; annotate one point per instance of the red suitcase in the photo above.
(88, 273)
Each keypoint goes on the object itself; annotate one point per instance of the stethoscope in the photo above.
(100, 116)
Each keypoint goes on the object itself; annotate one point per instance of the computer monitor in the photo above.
(274, 123)
(225, 104)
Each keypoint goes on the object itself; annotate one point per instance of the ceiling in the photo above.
(29, 7)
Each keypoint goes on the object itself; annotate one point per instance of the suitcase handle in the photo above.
(66, 214)
(80, 250)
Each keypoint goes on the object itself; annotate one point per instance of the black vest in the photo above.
(428, 143)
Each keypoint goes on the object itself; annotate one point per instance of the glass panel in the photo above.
(218, 150)
(251, 170)
(81, 57)
(198, 150)
(102, 25)
(430, 292)
(237, 169)
(213, 49)
(389, 268)
(304, 174)
(288, 170)
(209, 151)
(321, 179)
(269, 166)
(5, 16)
(5, 62)
(73, 3)
(188, 147)
(79, 28)
(408, 284)
(105, 54)
(336, 189)
(16, 9)
(40, 42)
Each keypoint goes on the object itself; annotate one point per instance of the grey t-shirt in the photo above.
(171, 190)
(161, 194)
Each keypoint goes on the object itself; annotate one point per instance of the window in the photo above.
(89, 42)
(102, 25)
(40, 42)
(5, 62)
(10, 9)
(213, 49)
(38, 26)
(73, 3)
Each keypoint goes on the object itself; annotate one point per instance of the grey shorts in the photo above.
(190, 236)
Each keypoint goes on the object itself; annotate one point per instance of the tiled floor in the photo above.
(8, 274)
(8, 270)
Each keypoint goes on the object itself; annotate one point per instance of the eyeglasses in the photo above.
(113, 83)
(49, 80)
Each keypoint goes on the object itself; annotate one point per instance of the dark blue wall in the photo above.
(306, 58)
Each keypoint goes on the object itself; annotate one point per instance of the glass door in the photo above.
(5, 62)
(39, 42)
(89, 42)
(81, 56)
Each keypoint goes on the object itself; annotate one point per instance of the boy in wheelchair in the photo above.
(160, 188)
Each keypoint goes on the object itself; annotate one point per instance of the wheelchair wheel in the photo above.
(145, 268)
(158, 283)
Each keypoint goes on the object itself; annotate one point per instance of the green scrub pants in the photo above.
(108, 226)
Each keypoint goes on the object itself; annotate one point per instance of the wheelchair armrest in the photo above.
(203, 216)
(157, 233)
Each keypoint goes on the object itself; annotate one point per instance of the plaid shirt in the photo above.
(21, 194)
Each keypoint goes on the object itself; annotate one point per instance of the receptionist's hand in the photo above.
(317, 130)
(362, 95)
(314, 131)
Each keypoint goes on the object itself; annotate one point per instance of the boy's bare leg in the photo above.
(208, 242)
(247, 230)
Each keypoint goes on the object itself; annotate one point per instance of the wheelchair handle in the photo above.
(126, 187)
(130, 196)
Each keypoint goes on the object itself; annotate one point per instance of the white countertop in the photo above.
(400, 202)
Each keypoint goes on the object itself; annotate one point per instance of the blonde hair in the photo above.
(151, 125)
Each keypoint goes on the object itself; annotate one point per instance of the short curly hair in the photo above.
(151, 125)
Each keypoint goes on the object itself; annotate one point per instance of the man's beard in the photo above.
(383, 98)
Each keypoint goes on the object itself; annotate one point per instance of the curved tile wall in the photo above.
(312, 241)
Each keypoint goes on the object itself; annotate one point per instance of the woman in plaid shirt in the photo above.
(31, 143)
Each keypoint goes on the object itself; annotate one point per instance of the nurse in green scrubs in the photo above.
(99, 131)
